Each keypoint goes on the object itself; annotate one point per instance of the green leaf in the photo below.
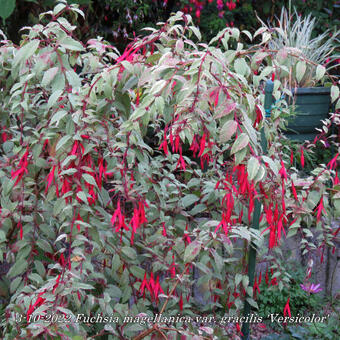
(239, 156)
(73, 79)
(53, 98)
(253, 166)
(18, 268)
(2, 236)
(320, 72)
(62, 141)
(198, 209)
(137, 272)
(8, 146)
(241, 142)
(253, 303)
(59, 115)
(81, 195)
(44, 245)
(188, 200)
(49, 76)
(300, 70)
(58, 8)
(15, 284)
(26, 52)
(80, 285)
(129, 252)
(241, 67)
(245, 281)
(89, 179)
(238, 279)
(6, 8)
(228, 130)
(196, 32)
(71, 44)
(334, 93)
(191, 251)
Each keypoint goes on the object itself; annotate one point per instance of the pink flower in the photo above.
(311, 288)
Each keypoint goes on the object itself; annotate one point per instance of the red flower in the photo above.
(121, 219)
(202, 145)
(332, 163)
(294, 191)
(164, 230)
(144, 285)
(164, 146)
(291, 157)
(181, 161)
(23, 163)
(172, 268)
(286, 310)
(319, 209)
(36, 304)
(302, 158)
(282, 171)
(186, 236)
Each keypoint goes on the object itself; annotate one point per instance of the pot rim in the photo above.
(312, 90)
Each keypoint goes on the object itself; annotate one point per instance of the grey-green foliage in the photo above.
(92, 211)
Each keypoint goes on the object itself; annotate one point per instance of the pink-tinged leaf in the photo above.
(228, 130)
(191, 251)
(230, 107)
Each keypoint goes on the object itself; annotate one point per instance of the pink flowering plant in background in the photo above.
(311, 288)
(129, 181)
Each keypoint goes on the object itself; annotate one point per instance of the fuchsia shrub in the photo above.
(99, 221)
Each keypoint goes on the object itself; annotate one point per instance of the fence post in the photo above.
(257, 212)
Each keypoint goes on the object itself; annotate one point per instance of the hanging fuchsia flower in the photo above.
(282, 171)
(36, 304)
(50, 178)
(332, 162)
(23, 163)
(177, 138)
(194, 147)
(153, 286)
(302, 158)
(181, 302)
(157, 289)
(121, 219)
(144, 285)
(172, 268)
(164, 146)
(294, 191)
(202, 145)
(286, 310)
(319, 209)
(186, 237)
(311, 288)
(336, 179)
(181, 162)
(164, 230)
(291, 157)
